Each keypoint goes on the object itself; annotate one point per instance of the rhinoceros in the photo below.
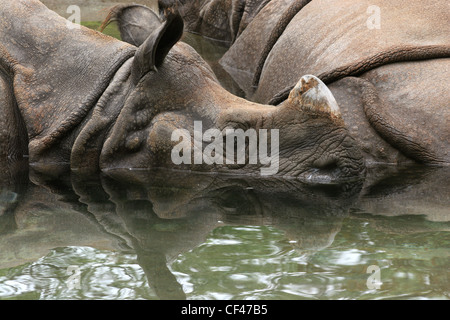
(220, 20)
(73, 97)
(386, 62)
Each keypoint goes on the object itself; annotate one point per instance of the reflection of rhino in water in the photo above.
(159, 215)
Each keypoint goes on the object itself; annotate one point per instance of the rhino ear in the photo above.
(312, 94)
(152, 52)
(136, 22)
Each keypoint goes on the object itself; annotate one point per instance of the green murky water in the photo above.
(166, 235)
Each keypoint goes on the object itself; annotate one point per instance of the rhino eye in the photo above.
(234, 125)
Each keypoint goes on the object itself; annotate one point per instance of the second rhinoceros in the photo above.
(72, 96)
(386, 62)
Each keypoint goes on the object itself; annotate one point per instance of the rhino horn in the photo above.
(311, 94)
(150, 55)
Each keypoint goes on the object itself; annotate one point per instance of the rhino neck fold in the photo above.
(389, 56)
(94, 130)
(59, 72)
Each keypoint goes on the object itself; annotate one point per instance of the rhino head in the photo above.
(176, 114)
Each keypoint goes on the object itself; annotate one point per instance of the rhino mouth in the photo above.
(327, 177)
(333, 170)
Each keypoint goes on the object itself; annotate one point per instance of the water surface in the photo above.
(171, 235)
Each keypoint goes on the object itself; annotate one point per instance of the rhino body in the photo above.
(219, 20)
(387, 64)
(389, 79)
(81, 99)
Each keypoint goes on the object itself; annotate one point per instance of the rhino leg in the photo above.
(399, 111)
(348, 93)
(13, 135)
(407, 103)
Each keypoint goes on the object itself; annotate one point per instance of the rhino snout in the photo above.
(337, 165)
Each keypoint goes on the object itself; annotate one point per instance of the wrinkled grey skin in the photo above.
(159, 215)
(384, 61)
(221, 20)
(389, 80)
(92, 102)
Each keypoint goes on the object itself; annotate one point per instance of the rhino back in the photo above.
(336, 35)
